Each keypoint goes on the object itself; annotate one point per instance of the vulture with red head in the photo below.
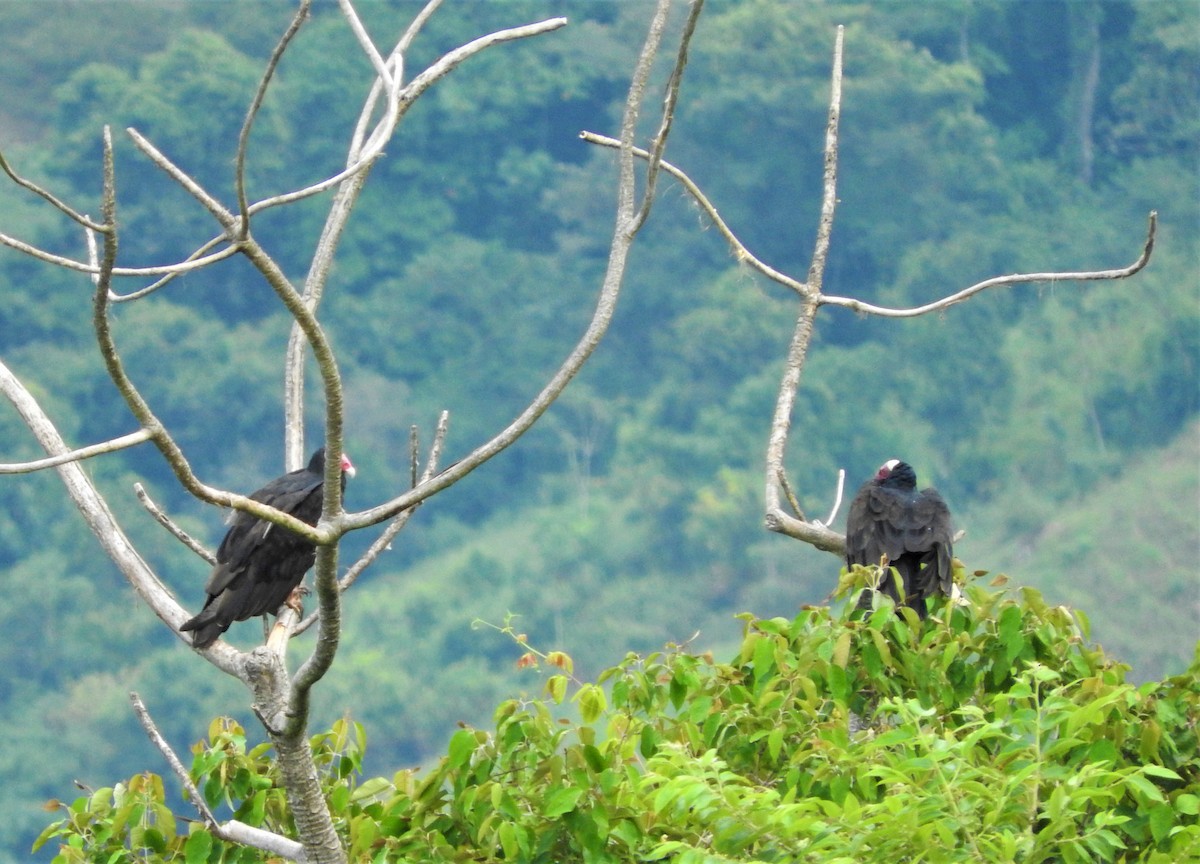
(259, 563)
(892, 524)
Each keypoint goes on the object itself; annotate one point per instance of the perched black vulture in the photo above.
(892, 524)
(259, 563)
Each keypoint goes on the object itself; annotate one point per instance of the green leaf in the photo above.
(764, 658)
(775, 743)
(1160, 771)
(508, 841)
(841, 650)
(648, 742)
(198, 846)
(556, 687)
(1146, 789)
(462, 745)
(1162, 820)
(592, 702)
(560, 801)
(1188, 804)
(371, 788)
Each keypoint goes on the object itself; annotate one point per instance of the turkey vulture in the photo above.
(259, 563)
(892, 524)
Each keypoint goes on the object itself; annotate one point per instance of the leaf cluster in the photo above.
(991, 731)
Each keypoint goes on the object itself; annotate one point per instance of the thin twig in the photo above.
(740, 252)
(791, 496)
(364, 42)
(195, 261)
(231, 831)
(384, 541)
(415, 27)
(164, 520)
(659, 143)
(239, 173)
(185, 779)
(80, 267)
(226, 219)
(601, 317)
(414, 455)
(61, 206)
(111, 446)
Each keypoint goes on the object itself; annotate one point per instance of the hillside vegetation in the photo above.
(1059, 422)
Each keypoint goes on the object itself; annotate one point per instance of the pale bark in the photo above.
(279, 699)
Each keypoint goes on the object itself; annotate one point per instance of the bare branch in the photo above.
(784, 403)
(414, 453)
(999, 281)
(329, 634)
(384, 541)
(42, 255)
(790, 494)
(104, 525)
(368, 46)
(658, 145)
(226, 219)
(81, 267)
(141, 409)
(62, 207)
(622, 240)
(740, 252)
(231, 831)
(110, 446)
(448, 61)
(195, 261)
(816, 270)
(239, 174)
(181, 773)
(360, 158)
(837, 501)
(164, 520)
(415, 27)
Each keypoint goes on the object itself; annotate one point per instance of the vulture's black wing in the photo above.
(259, 564)
(911, 530)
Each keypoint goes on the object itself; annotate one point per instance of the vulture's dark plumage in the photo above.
(890, 522)
(259, 564)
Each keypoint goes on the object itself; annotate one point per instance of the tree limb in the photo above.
(659, 143)
(740, 252)
(999, 281)
(239, 171)
(816, 270)
(231, 831)
(164, 520)
(359, 160)
(58, 204)
(622, 240)
(110, 446)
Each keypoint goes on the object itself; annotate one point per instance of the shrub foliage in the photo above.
(993, 731)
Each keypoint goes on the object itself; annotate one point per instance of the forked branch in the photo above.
(625, 226)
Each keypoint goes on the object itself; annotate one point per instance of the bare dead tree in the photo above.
(280, 699)
(811, 298)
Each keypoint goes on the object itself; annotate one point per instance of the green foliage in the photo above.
(993, 731)
(1052, 418)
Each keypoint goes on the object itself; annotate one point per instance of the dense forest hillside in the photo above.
(978, 138)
